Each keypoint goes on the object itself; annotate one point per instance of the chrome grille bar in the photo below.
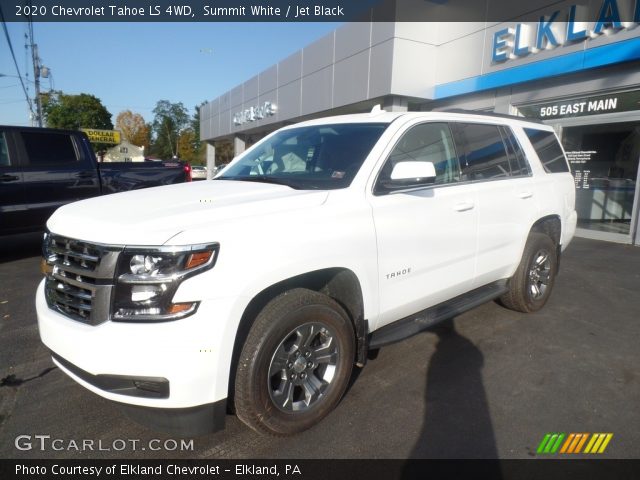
(81, 279)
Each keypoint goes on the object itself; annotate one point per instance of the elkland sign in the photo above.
(564, 27)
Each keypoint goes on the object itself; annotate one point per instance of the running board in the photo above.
(409, 326)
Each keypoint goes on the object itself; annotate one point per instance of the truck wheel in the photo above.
(531, 285)
(295, 364)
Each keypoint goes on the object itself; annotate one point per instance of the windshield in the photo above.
(317, 157)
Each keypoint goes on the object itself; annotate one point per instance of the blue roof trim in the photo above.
(613, 53)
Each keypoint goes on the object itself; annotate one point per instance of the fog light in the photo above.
(136, 312)
(146, 294)
(156, 314)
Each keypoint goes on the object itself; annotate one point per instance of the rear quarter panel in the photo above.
(555, 191)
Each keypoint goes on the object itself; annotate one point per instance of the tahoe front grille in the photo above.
(80, 278)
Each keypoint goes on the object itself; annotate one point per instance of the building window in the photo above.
(604, 163)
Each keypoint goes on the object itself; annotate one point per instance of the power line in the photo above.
(11, 101)
(15, 62)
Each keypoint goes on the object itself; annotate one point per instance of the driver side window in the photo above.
(427, 142)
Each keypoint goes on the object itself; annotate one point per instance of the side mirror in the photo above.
(410, 174)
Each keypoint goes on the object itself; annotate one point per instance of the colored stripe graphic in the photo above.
(568, 442)
(573, 443)
(543, 443)
(594, 437)
(604, 445)
(550, 443)
(554, 449)
(598, 442)
(581, 443)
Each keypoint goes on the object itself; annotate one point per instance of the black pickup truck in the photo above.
(42, 169)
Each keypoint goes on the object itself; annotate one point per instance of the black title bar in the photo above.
(609, 11)
(319, 469)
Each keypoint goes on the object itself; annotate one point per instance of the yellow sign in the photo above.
(102, 136)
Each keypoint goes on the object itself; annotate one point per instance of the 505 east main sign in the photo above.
(563, 27)
(579, 107)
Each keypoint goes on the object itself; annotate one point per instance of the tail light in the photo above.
(187, 172)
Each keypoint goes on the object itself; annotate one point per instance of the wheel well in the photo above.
(550, 226)
(340, 284)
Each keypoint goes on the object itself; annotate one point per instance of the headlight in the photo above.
(147, 279)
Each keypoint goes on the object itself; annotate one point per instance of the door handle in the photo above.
(525, 195)
(8, 178)
(85, 174)
(463, 206)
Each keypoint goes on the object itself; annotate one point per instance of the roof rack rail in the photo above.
(491, 114)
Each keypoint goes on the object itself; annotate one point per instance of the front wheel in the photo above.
(531, 285)
(295, 364)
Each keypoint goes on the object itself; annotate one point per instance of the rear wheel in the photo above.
(295, 364)
(531, 285)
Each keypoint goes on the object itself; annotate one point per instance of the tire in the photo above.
(295, 364)
(531, 285)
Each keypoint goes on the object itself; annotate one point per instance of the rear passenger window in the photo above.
(548, 149)
(4, 152)
(482, 152)
(49, 148)
(427, 142)
(517, 159)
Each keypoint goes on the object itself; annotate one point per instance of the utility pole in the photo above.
(37, 66)
(36, 77)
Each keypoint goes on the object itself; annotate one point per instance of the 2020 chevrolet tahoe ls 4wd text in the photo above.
(261, 289)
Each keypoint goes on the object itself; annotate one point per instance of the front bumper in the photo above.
(191, 357)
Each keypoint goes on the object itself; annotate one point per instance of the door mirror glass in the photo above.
(411, 174)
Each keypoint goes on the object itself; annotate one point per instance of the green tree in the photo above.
(224, 151)
(186, 143)
(191, 147)
(195, 125)
(75, 111)
(170, 119)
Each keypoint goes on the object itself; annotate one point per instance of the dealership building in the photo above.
(578, 72)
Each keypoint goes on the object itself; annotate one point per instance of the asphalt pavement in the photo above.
(489, 383)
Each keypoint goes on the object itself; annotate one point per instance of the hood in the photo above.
(154, 215)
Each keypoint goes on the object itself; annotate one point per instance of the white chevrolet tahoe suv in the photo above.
(260, 290)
